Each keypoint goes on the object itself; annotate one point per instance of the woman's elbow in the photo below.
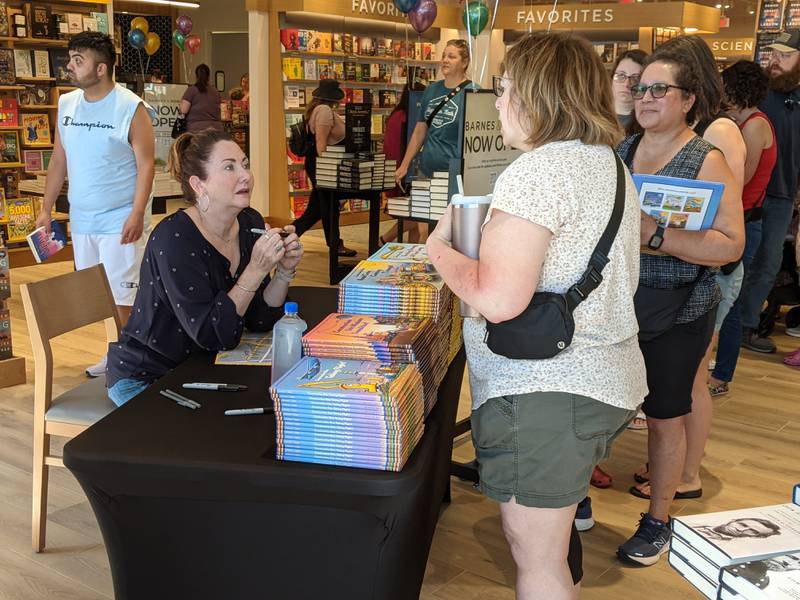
(501, 311)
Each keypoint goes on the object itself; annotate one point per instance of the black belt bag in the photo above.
(545, 328)
(657, 309)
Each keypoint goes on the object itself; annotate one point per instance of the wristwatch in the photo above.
(657, 239)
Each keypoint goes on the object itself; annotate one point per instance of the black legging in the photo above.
(316, 209)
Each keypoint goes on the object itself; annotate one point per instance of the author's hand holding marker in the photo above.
(267, 251)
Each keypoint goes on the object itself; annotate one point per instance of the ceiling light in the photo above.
(170, 3)
(718, 6)
(690, 30)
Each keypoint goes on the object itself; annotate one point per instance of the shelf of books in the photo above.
(33, 59)
(774, 17)
(371, 68)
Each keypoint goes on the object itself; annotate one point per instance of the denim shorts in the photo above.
(125, 389)
(541, 447)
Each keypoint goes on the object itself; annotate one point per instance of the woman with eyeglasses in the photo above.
(444, 100)
(717, 128)
(626, 72)
(677, 293)
(539, 426)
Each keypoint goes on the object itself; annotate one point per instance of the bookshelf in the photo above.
(774, 17)
(371, 66)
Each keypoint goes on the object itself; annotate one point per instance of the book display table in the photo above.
(193, 504)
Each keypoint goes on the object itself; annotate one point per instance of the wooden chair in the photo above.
(53, 307)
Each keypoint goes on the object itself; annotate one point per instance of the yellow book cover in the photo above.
(35, 129)
(292, 68)
(21, 218)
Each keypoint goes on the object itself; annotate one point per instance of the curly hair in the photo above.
(745, 84)
(686, 77)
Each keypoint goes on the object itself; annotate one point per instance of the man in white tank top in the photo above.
(105, 145)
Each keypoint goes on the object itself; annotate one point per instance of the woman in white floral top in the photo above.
(540, 426)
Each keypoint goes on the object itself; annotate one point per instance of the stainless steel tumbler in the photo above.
(469, 212)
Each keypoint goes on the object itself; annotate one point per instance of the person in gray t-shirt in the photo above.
(200, 103)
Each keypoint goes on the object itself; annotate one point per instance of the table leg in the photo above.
(400, 229)
(374, 221)
(330, 199)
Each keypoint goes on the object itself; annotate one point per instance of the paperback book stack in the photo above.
(713, 549)
(421, 198)
(387, 285)
(399, 206)
(337, 169)
(438, 194)
(349, 413)
(385, 339)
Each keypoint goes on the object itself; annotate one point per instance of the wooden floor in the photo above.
(752, 460)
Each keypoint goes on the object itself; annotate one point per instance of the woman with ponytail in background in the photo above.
(205, 275)
(200, 103)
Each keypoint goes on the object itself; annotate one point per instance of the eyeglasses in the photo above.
(497, 85)
(622, 77)
(657, 90)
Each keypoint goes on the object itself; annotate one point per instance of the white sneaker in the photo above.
(793, 331)
(98, 369)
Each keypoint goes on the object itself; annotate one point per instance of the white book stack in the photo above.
(439, 196)
(421, 198)
(388, 174)
(399, 206)
(328, 164)
(704, 546)
(776, 578)
(378, 170)
(355, 174)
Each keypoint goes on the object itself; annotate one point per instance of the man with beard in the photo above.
(739, 528)
(782, 106)
(105, 145)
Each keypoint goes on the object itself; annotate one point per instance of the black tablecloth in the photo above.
(193, 504)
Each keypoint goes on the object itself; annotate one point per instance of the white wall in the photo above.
(213, 15)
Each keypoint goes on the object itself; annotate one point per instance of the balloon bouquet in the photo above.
(141, 38)
(422, 13)
(184, 39)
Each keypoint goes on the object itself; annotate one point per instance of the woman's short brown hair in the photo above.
(562, 90)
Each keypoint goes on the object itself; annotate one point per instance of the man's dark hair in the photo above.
(745, 84)
(100, 43)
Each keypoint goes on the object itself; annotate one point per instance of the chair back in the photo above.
(61, 304)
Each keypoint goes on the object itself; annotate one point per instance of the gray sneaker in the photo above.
(97, 370)
(752, 341)
(650, 541)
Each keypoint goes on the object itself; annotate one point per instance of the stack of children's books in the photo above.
(351, 413)
(746, 554)
(400, 281)
(381, 338)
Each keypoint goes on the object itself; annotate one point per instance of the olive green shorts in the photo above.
(541, 447)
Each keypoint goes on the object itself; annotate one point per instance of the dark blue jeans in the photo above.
(762, 238)
(760, 277)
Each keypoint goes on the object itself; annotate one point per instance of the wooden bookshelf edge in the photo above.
(12, 371)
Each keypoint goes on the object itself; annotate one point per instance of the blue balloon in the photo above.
(406, 6)
(136, 38)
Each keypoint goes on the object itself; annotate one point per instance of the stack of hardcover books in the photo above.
(745, 554)
(439, 196)
(399, 206)
(421, 198)
(349, 413)
(382, 338)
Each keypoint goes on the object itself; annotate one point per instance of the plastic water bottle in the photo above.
(287, 336)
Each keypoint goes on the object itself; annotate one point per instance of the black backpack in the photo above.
(301, 140)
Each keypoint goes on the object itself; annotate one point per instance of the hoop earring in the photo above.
(200, 205)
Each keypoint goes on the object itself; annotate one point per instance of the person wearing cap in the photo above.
(782, 106)
(327, 127)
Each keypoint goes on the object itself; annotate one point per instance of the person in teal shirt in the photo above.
(439, 142)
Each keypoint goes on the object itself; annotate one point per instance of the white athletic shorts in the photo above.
(121, 261)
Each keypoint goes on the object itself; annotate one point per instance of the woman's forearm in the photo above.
(275, 292)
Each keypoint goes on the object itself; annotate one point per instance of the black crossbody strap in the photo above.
(592, 276)
(447, 99)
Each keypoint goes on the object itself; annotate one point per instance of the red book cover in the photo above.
(9, 112)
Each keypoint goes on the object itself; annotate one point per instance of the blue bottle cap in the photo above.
(290, 308)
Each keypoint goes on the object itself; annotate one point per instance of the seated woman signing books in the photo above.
(205, 275)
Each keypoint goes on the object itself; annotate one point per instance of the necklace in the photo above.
(215, 234)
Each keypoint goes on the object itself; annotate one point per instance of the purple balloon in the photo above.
(184, 24)
(423, 15)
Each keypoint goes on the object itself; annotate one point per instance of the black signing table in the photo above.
(193, 504)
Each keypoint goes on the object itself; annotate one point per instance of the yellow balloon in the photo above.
(140, 23)
(152, 43)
